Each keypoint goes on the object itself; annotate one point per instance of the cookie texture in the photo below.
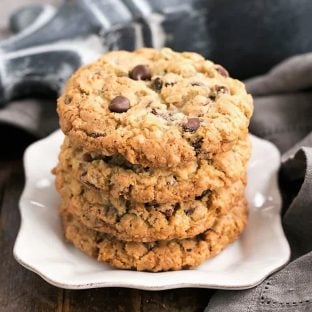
(131, 221)
(152, 170)
(116, 177)
(155, 108)
(160, 255)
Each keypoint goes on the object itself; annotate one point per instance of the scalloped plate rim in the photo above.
(137, 282)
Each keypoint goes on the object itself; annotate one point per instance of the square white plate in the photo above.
(40, 246)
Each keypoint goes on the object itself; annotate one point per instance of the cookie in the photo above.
(160, 255)
(147, 222)
(118, 178)
(155, 108)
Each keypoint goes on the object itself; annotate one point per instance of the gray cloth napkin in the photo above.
(37, 117)
(283, 115)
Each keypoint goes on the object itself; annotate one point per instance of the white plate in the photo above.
(40, 246)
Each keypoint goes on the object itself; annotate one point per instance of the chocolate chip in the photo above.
(203, 194)
(191, 125)
(87, 157)
(151, 204)
(106, 159)
(140, 72)
(186, 267)
(212, 97)
(154, 111)
(99, 240)
(168, 213)
(177, 206)
(201, 236)
(119, 104)
(157, 84)
(222, 71)
(197, 145)
(189, 211)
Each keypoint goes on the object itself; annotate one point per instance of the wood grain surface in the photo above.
(22, 290)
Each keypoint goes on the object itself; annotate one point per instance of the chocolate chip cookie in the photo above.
(130, 221)
(115, 176)
(160, 255)
(155, 108)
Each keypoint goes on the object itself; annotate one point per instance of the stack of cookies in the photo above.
(152, 170)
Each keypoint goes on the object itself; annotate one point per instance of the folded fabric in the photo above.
(283, 114)
(36, 117)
